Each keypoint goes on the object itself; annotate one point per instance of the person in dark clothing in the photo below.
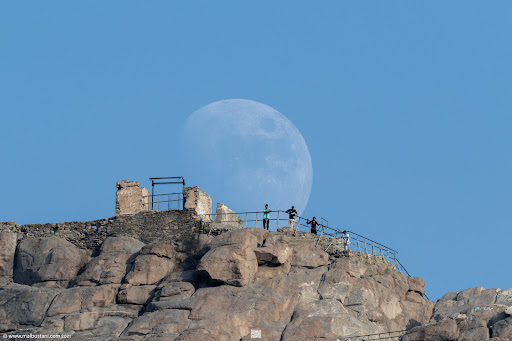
(291, 219)
(314, 224)
(266, 211)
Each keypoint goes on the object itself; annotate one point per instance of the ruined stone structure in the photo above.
(197, 200)
(224, 217)
(131, 198)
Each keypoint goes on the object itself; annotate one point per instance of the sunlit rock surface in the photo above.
(189, 285)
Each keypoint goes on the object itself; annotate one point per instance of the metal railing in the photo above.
(164, 202)
(386, 336)
(327, 237)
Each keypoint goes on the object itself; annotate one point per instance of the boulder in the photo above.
(504, 297)
(242, 239)
(444, 330)
(230, 264)
(115, 259)
(51, 259)
(417, 284)
(149, 269)
(121, 244)
(95, 326)
(107, 268)
(276, 254)
(24, 305)
(478, 313)
(362, 295)
(324, 319)
(275, 249)
(168, 323)
(175, 290)
(471, 328)
(301, 282)
(309, 257)
(272, 238)
(502, 328)
(8, 242)
(231, 312)
(260, 234)
(140, 295)
(78, 298)
(97, 323)
(272, 271)
(414, 296)
(182, 276)
(488, 313)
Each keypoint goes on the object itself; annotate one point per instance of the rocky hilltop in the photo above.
(159, 276)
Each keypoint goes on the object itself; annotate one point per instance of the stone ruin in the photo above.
(196, 199)
(132, 199)
(227, 218)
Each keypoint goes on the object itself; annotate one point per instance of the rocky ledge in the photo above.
(192, 286)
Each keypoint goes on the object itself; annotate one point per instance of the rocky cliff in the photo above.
(158, 276)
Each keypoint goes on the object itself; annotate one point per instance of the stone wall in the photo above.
(194, 198)
(227, 218)
(145, 226)
(131, 198)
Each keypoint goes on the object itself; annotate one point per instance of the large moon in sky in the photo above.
(245, 154)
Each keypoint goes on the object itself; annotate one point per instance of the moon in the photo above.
(246, 154)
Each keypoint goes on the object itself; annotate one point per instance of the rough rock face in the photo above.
(214, 288)
(472, 314)
(115, 259)
(154, 262)
(7, 250)
(23, 305)
(47, 261)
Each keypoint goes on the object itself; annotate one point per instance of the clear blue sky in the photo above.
(405, 106)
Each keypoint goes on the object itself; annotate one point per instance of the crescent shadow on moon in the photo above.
(246, 154)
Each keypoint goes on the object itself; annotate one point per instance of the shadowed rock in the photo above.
(7, 251)
(52, 260)
(110, 266)
(23, 305)
(229, 264)
(154, 262)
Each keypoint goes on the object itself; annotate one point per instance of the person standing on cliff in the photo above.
(346, 240)
(291, 217)
(266, 211)
(314, 224)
